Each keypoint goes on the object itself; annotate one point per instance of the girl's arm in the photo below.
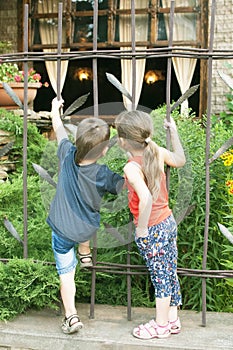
(135, 177)
(176, 157)
(56, 120)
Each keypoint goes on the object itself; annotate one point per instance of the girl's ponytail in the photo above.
(150, 167)
(137, 128)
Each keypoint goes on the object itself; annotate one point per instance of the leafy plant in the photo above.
(13, 124)
(187, 189)
(25, 284)
(10, 72)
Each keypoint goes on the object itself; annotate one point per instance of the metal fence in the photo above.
(203, 54)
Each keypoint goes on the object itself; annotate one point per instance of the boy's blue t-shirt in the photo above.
(74, 211)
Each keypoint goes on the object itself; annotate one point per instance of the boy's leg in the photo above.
(64, 254)
(84, 254)
(68, 290)
(84, 248)
(71, 322)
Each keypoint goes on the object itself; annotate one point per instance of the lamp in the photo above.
(83, 74)
(154, 75)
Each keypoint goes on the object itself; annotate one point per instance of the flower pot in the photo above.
(7, 102)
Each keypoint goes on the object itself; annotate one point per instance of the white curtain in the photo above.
(49, 35)
(184, 29)
(141, 32)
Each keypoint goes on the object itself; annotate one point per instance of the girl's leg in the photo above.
(176, 298)
(173, 313)
(154, 250)
(162, 310)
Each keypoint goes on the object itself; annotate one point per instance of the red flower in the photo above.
(18, 78)
(36, 77)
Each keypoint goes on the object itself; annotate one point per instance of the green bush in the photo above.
(25, 284)
(187, 189)
(36, 142)
(191, 229)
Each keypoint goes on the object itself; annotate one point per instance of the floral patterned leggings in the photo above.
(159, 250)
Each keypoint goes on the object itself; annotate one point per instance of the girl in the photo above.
(156, 230)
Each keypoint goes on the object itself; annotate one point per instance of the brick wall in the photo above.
(8, 22)
(223, 40)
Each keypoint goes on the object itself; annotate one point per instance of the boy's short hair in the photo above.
(92, 137)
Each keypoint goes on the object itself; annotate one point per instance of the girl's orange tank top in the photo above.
(160, 208)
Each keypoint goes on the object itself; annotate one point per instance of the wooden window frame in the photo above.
(202, 33)
(111, 13)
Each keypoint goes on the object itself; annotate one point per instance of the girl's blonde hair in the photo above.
(136, 127)
(92, 137)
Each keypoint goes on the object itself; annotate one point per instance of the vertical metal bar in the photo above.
(93, 278)
(203, 37)
(168, 84)
(207, 166)
(96, 113)
(25, 135)
(59, 45)
(129, 248)
(133, 51)
(94, 62)
(169, 65)
(68, 9)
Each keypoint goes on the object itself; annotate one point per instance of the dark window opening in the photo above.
(152, 95)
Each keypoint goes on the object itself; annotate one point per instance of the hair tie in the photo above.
(147, 140)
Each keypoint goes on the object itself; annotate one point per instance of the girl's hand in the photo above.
(170, 125)
(141, 232)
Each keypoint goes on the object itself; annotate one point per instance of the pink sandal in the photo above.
(152, 330)
(175, 326)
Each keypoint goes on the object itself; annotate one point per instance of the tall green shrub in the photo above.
(187, 188)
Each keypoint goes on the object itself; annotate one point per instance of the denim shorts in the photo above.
(64, 253)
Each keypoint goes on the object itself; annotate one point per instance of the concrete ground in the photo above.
(110, 329)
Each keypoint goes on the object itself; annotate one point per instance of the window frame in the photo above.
(202, 36)
(153, 10)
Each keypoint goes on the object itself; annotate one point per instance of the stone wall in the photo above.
(8, 22)
(223, 40)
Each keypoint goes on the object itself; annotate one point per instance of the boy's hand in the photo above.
(56, 105)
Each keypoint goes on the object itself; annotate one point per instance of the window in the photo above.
(112, 14)
(114, 34)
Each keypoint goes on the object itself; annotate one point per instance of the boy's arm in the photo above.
(176, 158)
(56, 120)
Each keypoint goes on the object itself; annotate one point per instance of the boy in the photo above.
(74, 213)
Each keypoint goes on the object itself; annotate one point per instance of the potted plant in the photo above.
(12, 78)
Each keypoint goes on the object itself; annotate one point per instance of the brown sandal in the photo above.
(69, 328)
(85, 259)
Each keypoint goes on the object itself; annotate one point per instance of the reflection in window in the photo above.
(83, 24)
(162, 34)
